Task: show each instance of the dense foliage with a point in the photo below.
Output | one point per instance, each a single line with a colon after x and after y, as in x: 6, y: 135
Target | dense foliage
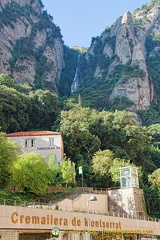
x: 108, y: 130
x: 24, y: 172
x: 107, y: 170
x: 22, y: 109
x: 8, y: 154
x: 14, y: 109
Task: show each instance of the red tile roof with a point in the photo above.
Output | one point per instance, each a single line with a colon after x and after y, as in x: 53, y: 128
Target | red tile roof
x: 34, y: 133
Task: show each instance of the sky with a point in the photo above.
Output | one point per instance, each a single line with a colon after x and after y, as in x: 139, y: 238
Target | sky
x: 79, y: 21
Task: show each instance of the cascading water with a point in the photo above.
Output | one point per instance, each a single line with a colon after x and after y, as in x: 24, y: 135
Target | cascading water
x: 74, y: 85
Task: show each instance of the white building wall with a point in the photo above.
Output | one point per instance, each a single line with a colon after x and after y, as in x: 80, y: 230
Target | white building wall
x: 42, y: 145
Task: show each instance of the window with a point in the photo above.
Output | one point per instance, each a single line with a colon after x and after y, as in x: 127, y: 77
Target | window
x: 51, y: 141
x: 33, y: 142
x: 30, y: 142
x: 27, y: 143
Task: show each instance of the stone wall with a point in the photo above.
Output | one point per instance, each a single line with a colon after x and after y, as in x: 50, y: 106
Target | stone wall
x: 128, y: 201
x: 9, y: 235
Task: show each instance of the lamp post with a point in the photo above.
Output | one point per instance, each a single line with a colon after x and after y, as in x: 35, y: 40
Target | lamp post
x: 92, y: 199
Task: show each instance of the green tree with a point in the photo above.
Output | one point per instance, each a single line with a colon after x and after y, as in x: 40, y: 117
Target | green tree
x: 101, y: 163
x: 44, y: 107
x: 30, y: 173
x: 152, y: 193
x: 155, y: 155
x: 14, y: 110
x: 119, y: 133
x: 107, y: 168
x: 80, y: 143
x: 8, y: 155
x: 22, y: 109
x: 9, y: 82
x: 154, y: 179
x: 154, y: 132
x: 67, y: 169
x: 55, y: 175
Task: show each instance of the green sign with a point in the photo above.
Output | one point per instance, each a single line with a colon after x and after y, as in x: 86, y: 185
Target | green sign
x: 80, y: 170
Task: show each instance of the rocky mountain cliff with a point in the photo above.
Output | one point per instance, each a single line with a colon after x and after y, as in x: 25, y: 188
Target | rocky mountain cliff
x: 31, y: 44
x: 121, y: 67
x: 118, y: 67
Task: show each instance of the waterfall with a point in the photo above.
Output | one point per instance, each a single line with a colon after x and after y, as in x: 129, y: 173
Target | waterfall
x: 74, y: 85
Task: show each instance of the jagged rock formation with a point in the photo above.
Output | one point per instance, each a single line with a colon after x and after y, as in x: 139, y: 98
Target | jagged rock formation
x: 116, y: 64
x: 137, y: 89
x: 31, y: 44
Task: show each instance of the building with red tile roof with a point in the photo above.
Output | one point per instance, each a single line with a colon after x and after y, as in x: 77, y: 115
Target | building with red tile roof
x: 43, y: 142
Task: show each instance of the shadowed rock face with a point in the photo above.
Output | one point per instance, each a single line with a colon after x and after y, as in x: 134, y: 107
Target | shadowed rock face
x: 29, y: 42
